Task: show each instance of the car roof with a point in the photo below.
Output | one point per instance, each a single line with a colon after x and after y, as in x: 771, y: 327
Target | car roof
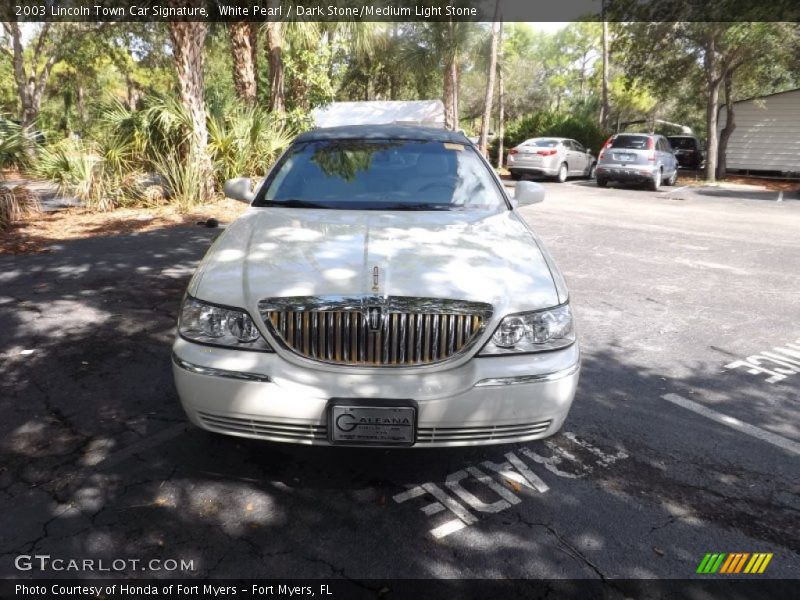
x: 383, y: 132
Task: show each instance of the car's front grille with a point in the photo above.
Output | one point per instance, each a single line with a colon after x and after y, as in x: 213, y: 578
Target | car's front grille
x: 375, y: 331
x: 289, y: 432
x: 441, y: 435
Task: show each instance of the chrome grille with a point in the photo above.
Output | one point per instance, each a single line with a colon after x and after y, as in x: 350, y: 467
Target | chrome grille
x: 289, y: 432
x: 408, y: 332
x: 431, y: 435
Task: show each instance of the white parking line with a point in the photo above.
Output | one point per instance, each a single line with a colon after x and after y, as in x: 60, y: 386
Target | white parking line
x: 756, y: 432
x: 674, y: 190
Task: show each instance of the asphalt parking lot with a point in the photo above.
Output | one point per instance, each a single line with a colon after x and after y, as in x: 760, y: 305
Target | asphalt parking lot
x: 684, y: 438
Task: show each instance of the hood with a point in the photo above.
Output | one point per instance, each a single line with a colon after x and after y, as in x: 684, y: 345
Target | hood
x: 274, y: 252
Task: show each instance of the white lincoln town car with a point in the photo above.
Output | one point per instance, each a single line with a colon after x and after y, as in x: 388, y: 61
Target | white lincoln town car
x: 381, y: 290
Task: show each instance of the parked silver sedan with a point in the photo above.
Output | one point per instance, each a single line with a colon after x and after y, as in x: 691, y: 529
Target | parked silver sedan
x: 550, y: 156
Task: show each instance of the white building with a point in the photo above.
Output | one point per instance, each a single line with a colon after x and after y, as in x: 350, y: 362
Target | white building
x: 767, y: 134
x: 428, y: 113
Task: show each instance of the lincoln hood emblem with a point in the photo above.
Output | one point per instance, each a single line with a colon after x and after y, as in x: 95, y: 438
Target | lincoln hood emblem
x: 376, y: 278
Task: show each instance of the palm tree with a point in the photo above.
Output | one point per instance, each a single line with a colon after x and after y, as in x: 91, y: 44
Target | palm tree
x: 487, y: 101
x: 187, y: 47
x: 244, y: 68
x: 438, y: 45
x: 275, y: 39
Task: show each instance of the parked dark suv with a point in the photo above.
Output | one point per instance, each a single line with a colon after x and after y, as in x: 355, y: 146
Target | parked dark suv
x: 688, y: 150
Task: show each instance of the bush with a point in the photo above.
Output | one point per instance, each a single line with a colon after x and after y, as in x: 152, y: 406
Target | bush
x: 15, y: 203
x: 12, y: 145
x: 94, y: 173
x: 581, y: 127
x: 246, y: 142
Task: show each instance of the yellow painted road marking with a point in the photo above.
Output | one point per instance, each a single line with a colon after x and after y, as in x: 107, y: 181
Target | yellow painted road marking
x: 765, y: 563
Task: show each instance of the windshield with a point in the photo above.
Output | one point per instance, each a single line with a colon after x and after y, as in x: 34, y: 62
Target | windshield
x: 382, y: 175
x: 630, y: 142
x: 682, y: 142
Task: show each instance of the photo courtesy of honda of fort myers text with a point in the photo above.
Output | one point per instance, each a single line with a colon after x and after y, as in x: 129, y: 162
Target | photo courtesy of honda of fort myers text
x: 399, y: 299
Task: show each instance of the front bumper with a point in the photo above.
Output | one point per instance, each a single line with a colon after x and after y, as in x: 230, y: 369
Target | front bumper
x: 489, y: 400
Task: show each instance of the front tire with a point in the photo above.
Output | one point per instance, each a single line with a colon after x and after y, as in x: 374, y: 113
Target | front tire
x: 655, y: 183
x: 563, y: 171
x: 601, y: 182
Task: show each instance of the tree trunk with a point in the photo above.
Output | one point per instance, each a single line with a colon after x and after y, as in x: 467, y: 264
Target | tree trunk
x: 604, y: 107
x: 501, y: 101
x: 490, y: 79
x: 187, y: 47
x: 456, y: 86
x: 277, y: 102
x: 730, y: 125
x: 244, y: 71
x: 448, y: 94
x: 713, y: 81
x: 81, y: 101
x: 32, y: 83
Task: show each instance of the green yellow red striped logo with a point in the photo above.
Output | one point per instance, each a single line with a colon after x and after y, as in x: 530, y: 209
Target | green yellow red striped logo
x: 733, y: 563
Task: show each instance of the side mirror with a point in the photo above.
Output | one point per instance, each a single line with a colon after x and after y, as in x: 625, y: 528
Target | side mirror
x: 239, y: 189
x: 528, y: 192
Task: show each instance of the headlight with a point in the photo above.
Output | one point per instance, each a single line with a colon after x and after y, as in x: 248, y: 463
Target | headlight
x: 219, y: 326
x: 533, y: 332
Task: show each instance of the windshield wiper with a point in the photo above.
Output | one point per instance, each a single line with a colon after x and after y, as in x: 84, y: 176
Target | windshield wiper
x: 294, y: 203
x: 408, y: 206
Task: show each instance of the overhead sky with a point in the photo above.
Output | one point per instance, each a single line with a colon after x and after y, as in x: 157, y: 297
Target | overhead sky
x: 548, y: 27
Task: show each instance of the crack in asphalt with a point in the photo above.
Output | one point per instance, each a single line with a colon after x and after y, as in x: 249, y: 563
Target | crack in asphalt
x: 572, y: 550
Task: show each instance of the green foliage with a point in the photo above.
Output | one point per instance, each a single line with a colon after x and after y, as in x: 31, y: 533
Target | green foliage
x: 309, y: 85
x: 12, y: 145
x: 246, y: 141
x: 183, y: 179
x: 81, y: 170
x: 583, y: 128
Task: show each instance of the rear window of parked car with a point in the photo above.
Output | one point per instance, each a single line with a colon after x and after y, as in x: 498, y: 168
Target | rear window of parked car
x: 541, y: 143
x: 683, y: 143
x: 630, y: 142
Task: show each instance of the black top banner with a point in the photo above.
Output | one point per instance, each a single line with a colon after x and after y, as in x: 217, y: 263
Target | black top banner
x: 401, y: 10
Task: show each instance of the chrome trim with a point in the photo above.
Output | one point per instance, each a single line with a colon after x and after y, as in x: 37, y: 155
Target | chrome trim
x: 212, y: 372
x: 413, y: 331
x: 521, y: 379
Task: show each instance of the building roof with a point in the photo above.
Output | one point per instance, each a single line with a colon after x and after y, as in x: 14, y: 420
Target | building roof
x: 383, y: 132
x: 764, y: 96
x: 428, y: 113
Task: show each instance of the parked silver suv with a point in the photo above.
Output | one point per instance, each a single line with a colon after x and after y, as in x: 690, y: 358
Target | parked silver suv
x: 639, y: 158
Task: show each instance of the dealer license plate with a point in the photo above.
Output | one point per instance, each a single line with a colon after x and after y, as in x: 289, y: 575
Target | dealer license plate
x: 372, y: 425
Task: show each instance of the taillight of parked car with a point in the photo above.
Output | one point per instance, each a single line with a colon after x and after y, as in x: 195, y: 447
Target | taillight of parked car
x: 651, y: 145
x: 550, y: 152
x: 603, y: 148
x: 513, y: 151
